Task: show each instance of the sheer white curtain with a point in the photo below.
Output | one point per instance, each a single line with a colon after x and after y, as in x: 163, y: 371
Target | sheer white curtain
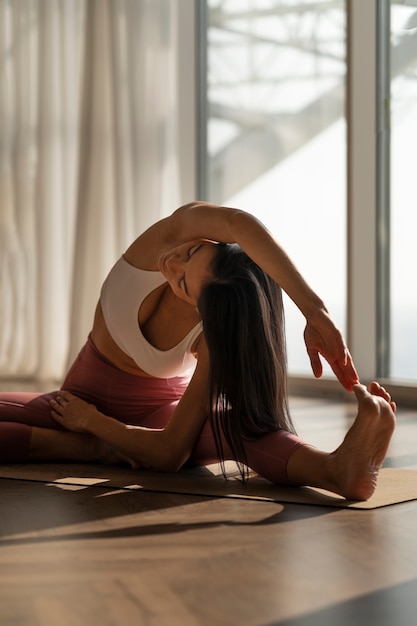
x: 88, y: 159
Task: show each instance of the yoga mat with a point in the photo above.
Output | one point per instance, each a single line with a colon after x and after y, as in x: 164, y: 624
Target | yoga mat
x: 394, y: 485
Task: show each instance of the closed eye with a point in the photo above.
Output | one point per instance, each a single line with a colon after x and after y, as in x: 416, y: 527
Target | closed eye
x: 190, y: 252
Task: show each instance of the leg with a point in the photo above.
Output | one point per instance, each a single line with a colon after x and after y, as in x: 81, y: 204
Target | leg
x: 32, y: 409
x: 132, y: 399
x: 65, y: 447
x: 29, y: 433
x: 14, y: 442
x: 19, y: 412
x: 267, y: 456
x: 352, y: 469
x: 54, y: 445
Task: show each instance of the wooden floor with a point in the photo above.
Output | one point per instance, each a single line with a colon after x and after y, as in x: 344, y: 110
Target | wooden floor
x: 87, y: 556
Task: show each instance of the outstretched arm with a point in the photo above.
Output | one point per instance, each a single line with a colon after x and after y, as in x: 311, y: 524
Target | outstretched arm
x: 322, y: 337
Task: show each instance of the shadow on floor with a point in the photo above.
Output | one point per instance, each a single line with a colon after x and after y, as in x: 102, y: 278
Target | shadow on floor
x: 32, y: 507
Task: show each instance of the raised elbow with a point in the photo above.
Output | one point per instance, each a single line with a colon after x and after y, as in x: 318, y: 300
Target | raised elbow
x: 241, y: 222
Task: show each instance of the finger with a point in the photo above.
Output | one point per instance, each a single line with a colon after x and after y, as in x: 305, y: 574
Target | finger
x: 342, y: 356
x: 351, y: 368
x: 316, y: 364
x: 341, y: 377
x: 65, y: 395
x: 337, y: 350
x: 59, y: 403
x: 346, y: 376
x: 346, y: 372
x: 59, y: 419
x: 56, y: 410
x: 56, y: 416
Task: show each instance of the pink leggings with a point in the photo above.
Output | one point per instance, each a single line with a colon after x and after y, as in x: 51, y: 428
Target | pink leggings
x: 135, y: 400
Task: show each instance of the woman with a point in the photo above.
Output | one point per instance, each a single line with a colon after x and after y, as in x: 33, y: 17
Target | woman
x: 186, y: 363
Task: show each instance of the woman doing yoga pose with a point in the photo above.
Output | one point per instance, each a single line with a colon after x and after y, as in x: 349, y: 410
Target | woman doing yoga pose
x: 186, y: 363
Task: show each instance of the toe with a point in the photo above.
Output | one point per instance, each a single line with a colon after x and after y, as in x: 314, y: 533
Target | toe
x: 360, y: 391
x: 377, y: 390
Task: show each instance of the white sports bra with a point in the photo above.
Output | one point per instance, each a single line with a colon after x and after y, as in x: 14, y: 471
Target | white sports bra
x: 122, y: 294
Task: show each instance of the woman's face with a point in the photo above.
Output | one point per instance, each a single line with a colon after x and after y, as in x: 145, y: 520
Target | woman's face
x: 186, y: 268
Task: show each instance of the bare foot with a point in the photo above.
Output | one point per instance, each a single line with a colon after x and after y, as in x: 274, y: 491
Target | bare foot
x: 355, y: 464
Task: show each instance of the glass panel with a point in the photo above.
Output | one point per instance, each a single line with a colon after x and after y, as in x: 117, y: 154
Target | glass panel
x: 403, y: 190
x: 276, y: 134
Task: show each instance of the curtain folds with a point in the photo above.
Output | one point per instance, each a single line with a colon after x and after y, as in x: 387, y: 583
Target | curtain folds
x: 88, y: 145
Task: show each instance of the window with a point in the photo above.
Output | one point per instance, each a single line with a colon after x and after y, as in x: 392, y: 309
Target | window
x: 276, y: 142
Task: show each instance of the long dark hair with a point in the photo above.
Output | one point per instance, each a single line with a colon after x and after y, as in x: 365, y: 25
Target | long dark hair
x: 243, y: 320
